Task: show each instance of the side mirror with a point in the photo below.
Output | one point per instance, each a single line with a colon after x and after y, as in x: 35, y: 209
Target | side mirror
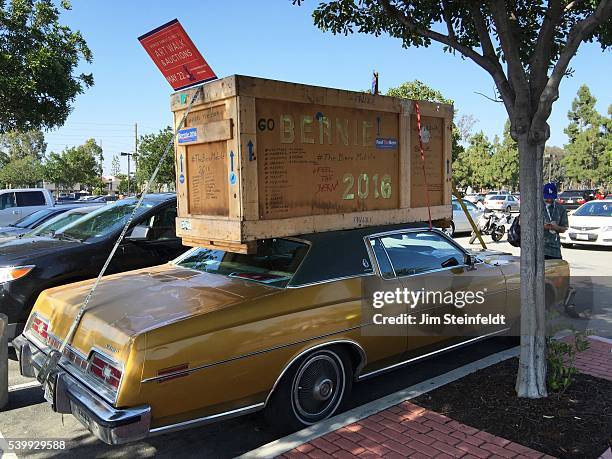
x: 469, y: 260
x: 138, y: 234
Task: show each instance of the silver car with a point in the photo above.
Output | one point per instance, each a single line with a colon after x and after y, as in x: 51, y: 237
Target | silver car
x: 504, y: 202
x: 460, y: 223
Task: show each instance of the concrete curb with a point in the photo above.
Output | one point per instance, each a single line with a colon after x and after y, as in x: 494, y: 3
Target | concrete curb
x: 289, y: 442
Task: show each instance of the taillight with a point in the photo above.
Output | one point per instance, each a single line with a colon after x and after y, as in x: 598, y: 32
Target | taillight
x: 40, y: 327
x: 581, y: 201
x: 560, y: 201
x: 104, y: 370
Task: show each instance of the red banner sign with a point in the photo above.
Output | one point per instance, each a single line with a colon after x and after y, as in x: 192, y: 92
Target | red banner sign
x: 176, y: 56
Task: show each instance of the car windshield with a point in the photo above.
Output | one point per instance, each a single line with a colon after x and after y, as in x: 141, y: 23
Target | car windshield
x: 27, y: 222
x: 595, y: 209
x: 274, y: 263
x: 103, y: 221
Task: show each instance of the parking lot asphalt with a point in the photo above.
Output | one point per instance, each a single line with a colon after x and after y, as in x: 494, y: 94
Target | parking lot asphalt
x: 28, y: 416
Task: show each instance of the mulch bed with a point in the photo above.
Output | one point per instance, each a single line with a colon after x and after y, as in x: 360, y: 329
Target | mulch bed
x: 578, y: 424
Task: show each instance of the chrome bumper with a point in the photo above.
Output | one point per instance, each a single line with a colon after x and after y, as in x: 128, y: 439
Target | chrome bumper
x: 67, y: 395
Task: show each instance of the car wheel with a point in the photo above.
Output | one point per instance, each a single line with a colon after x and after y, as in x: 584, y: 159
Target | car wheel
x: 449, y: 230
x: 508, y: 209
x: 311, y: 391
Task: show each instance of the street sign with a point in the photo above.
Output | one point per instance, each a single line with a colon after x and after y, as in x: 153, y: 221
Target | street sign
x: 176, y: 56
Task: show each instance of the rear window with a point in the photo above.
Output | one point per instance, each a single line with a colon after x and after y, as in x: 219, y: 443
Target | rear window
x: 572, y: 194
x: 274, y: 263
x: 36, y: 218
x: 30, y: 198
x: 498, y: 197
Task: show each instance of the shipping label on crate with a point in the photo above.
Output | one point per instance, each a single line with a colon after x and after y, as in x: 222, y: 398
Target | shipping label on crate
x: 316, y: 159
x: 207, y: 176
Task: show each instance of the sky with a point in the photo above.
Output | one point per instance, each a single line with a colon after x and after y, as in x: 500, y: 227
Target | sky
x: 271, y: 39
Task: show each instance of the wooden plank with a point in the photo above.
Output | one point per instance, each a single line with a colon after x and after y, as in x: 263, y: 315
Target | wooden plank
x: 216, y: 228
x: 213, y: 91
x: 214, y: 131
x: 261, y: 88
x: 234, y: 168
x: 317, y: 159
x: 246, y: 248
x: 249, y: 152
x: 262, y: 229
x: 404, y: 154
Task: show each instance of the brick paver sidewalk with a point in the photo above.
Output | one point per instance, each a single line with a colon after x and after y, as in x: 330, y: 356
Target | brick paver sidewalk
x: 408, y: 430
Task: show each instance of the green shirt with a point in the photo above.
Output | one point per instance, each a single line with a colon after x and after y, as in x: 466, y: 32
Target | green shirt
x: 554, y: 213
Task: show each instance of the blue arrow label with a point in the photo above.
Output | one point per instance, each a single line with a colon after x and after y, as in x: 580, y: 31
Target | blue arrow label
x: 251, y: 156
x: 231, y: 161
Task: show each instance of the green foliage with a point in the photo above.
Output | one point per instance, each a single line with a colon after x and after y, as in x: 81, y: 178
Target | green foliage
x: 472, y: 166
x: 22, y: 172
x: 75, y: 165
x: 115, y: 166
x: 38, y: 60
x: 21, y: 144
x: 553, y: 165
x: 587, y: 162
x: 150, y: 149
x: 503, y: 170
x: 560, y: 356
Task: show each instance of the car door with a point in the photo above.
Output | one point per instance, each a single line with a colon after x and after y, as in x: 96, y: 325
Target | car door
x: 9, y: 213
x: 459, y: 218
x: 161, y: 245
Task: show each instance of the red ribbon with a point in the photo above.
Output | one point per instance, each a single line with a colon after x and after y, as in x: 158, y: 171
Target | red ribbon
x: 418, y: 116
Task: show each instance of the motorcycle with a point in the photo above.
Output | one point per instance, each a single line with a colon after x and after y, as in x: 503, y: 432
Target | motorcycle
x: 492, y: 224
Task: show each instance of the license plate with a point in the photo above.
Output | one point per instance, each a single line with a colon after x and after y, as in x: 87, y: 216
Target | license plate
x: 582, y: 237
x: 570, y: 201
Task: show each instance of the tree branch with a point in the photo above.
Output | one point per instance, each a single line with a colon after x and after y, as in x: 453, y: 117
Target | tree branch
x: 581, y: 30
x: 507, y: 39
x: 493, y: 68
x: 541, y: 56
x: 449, y: 20
x: 504, y: 88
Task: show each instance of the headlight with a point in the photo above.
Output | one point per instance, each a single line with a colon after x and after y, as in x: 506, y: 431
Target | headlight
x: 11, y: 273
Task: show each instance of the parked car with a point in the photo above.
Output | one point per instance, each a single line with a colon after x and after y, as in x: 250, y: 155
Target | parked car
x: 34, y: 220
x: 30, y: 265
x: 18, y: 203
x: 284, y: 329
x: 474, y: 198
x: 460, y: 223
x: 590, y: 224
x: 505, y: 202
x: 572, y: 199
x: 57, y: 223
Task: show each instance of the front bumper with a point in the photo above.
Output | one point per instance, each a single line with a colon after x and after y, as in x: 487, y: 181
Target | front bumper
x: 586, y: 238
x: 67, y: 395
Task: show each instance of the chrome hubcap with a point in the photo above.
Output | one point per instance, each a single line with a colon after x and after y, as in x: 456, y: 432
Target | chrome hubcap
x: 317, y: 388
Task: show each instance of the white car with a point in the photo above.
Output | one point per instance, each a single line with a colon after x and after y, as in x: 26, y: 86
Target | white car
x: 505, y: 202
x: 460, y: 223
x: 590, y: 224
x: 18, y: 203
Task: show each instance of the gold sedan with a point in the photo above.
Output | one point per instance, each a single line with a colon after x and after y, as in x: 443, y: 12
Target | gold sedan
x: 215, y: 334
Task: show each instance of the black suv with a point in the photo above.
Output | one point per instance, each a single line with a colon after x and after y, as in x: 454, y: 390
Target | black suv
x: 572, y: 199
x: 77, y: 252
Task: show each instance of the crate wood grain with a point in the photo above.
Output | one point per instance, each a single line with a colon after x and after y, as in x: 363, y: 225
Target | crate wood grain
x: 261, y: 158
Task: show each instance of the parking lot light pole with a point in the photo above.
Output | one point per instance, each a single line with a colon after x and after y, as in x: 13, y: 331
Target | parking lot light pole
x: 129, y: 158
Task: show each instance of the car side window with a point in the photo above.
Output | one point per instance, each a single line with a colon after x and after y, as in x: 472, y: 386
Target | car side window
x: 30, y: 198
x: 420, y: 251
x: 469, y: 206
x: 162, y: 224
x: 386, y: 270
x: 510, y: 198
x: 7, y: 200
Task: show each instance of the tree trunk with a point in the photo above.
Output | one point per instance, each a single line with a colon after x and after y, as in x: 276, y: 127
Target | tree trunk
x: 531, y: 378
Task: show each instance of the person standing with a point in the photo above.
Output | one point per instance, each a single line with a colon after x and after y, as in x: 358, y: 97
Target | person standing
x: 555, y: 222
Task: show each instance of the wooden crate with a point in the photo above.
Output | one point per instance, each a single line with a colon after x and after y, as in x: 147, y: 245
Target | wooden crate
x: 261, y: 158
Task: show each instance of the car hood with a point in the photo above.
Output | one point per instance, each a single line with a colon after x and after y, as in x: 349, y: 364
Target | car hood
x: 129, y: 304
x: 589, y: 222
x: 15, y: 249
